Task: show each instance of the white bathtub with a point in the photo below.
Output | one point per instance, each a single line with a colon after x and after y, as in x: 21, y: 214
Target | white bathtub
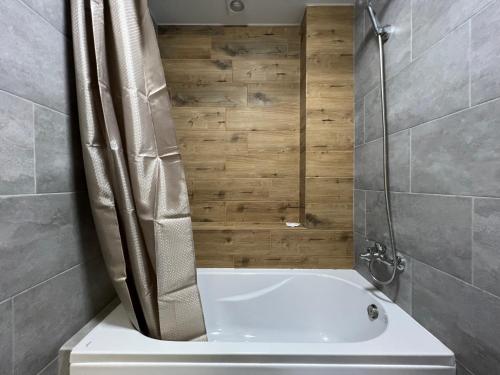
x: 274, y: 322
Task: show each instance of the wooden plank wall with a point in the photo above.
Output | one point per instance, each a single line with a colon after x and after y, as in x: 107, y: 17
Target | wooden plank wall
x: 236, y: 102
x: 327, y: 117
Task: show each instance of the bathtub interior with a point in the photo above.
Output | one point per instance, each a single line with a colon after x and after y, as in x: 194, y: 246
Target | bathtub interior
x: 313, y: 302
x: 308, y: 307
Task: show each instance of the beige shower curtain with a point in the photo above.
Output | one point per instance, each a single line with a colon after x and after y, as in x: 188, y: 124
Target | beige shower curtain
x: 135, y: 176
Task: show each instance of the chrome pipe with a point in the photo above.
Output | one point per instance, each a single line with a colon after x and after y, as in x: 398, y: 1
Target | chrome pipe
x: 378, y: 252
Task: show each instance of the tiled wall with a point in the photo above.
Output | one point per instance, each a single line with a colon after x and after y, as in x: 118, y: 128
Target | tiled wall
x: 235, y: 97
x: 443, y: 63
x: 52, y: 280
x: 327, y: 116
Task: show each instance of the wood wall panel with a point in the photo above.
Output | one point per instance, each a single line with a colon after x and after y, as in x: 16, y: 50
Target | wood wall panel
x: 184, y: 46
x: 260, y: 71
x: 189, y: 118
x: 275, y: 94
x: 327, y: 118
x: 221, y: 94
x: 261, y: 119
x: 197, y: 71
x: 236, y: 104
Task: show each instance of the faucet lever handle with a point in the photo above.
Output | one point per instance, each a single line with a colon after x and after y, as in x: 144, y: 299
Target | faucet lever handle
x: 366, y: 257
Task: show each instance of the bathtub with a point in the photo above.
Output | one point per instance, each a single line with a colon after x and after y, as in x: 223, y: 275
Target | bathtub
x: 301, y: 322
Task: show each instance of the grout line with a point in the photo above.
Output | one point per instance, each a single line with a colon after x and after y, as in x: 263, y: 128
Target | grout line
x: 432, y: 194
x: 364, y: 119
x: 39, y: 194
x: 33, y: 102
x: 451, y: 31
x: 424, y: 52
x: 366, y: 221
x: 411, y: 31
x: 410, y: 159
x: 380, y: 138
x: 34, y: 148
x: 469, y: 56
x: 457, y: 279
x: 466, y: 368
x: 44, y: 19
x: 48, y: 365
x: 439, y: 118
x: 13, y: 332
x: 52, y: 277
x: 472, y: 241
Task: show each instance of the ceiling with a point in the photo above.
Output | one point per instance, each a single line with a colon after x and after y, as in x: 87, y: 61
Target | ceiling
x: 214, y: 12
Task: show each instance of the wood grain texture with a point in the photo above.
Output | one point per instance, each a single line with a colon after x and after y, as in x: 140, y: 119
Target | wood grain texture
x: 329, y: 164
x: 208, y: 95
x: 262, y: 212
x: 188, y: 118
x: 327, y: 118
x: 262, y: 119
x: 198, y: 71
x: 184, y: 46
x: 271, y: 245
x: 274, y: 95
x: 236, y: 104
x: 260, y: 71
x: 329, y: 189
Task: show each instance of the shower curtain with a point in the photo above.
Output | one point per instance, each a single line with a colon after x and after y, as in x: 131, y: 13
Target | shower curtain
x: 135, y: 176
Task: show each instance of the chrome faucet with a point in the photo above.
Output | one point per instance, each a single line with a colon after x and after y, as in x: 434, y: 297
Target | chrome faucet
x: 378, y: 253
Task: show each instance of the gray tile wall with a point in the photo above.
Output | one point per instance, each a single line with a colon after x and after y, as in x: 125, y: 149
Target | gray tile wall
x: 444, y: 118
x: 52, y: 278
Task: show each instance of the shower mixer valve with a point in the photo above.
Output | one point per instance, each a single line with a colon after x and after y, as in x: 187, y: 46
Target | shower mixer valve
x: 378, y: 253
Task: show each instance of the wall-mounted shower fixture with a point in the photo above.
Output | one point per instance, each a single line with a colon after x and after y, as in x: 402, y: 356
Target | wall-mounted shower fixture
x: 378, y: 252
x: 235, y: 6
x: 378, y: 29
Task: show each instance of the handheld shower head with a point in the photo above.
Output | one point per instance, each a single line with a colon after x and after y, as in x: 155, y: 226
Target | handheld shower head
x: 379, y: 30
x: 373, y: 18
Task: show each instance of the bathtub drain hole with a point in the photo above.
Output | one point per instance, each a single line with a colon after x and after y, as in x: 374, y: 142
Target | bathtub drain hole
x: 372, y: 311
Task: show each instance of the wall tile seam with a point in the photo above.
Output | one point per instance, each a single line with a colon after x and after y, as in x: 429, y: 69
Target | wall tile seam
x: 29, y: 195
x: 13, y: 335
x: 389, y: 77
x: 79, y: 191
x: 66, y: 36
x: 410, y: 158
x: 381, y: 191
x: 432, y: 194
x: 90, y: 260
x: 416, y: 58
x: 34, y: 148
x: 473, y: 210
x: 465, y: 283
x: 364, y: 119
x: 48, y: 365
x: 365, y: 223
x: 411, y: 31
x: 480, y: 10
x: 438, y: 118
x: 465, y: 367
x: 380, y: 138
x: 70, y: 115
x: 422, y: 55
x: 469, y: 56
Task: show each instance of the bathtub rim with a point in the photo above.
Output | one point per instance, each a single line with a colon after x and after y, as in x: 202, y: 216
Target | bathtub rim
x: 131, y: 346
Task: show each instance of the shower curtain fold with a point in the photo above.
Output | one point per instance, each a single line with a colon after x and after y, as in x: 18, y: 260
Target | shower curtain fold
x: 135, y: 177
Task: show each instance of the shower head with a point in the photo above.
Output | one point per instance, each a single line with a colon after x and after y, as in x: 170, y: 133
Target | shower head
x: 379, y: 30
